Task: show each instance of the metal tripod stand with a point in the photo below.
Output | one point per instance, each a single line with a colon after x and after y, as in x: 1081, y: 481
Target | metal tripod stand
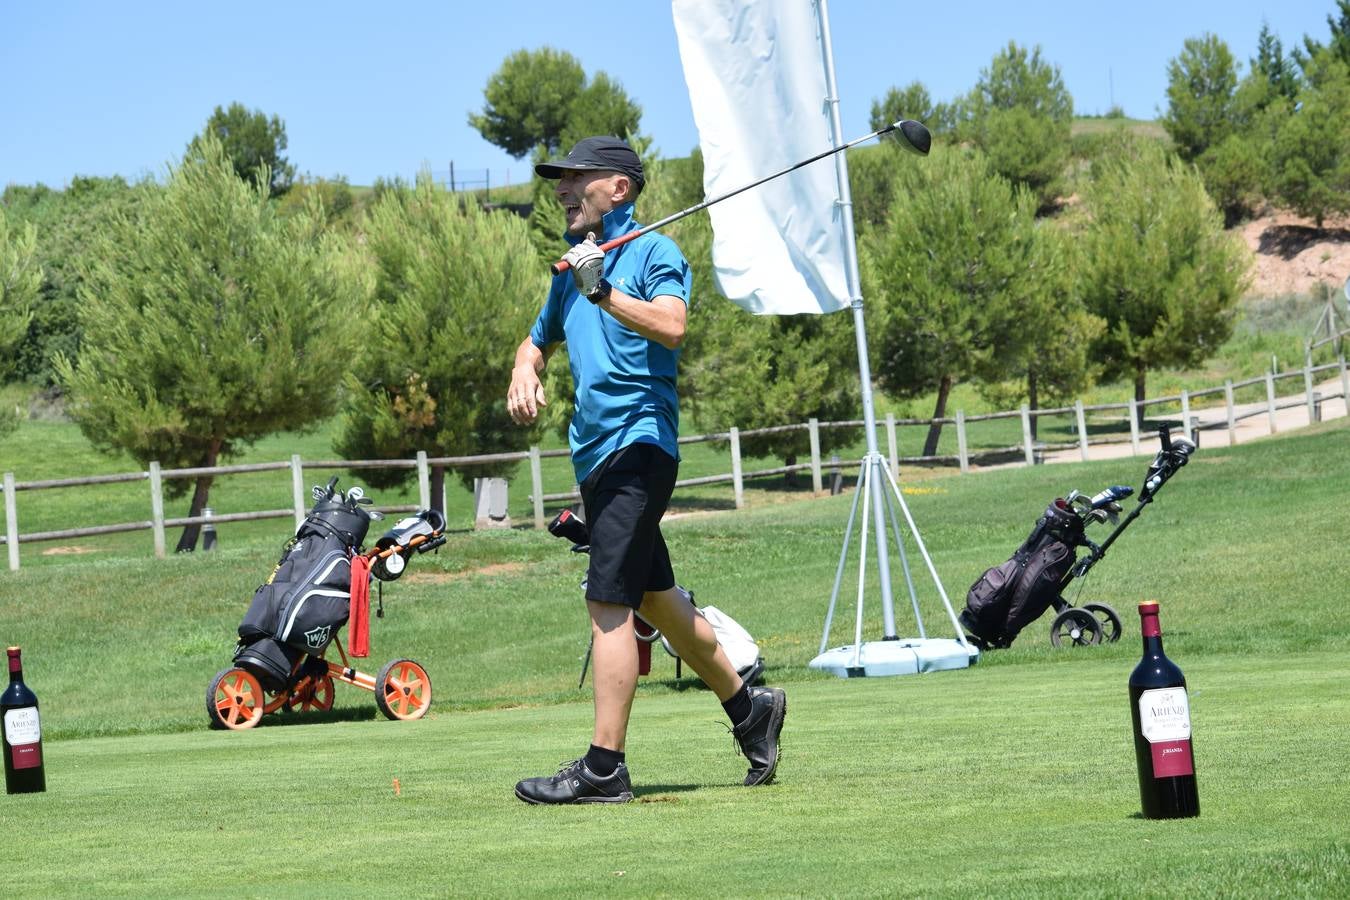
x: 877, y: 488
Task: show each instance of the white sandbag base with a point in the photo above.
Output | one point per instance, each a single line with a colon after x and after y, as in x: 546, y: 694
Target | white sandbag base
x: 906, y: 656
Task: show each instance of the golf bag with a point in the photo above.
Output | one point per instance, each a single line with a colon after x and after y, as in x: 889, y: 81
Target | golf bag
x: 1013, y: 594
x: 741, y: 649
x: 735, y: 641
x: 307, y: 597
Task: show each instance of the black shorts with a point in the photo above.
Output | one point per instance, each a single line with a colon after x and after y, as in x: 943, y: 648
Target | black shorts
x: 624, y: 500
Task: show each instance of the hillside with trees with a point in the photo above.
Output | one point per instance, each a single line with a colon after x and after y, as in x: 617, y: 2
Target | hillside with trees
x: 1072, y: 250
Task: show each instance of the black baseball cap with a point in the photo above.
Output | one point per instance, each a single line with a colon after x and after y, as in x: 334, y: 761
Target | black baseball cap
x: 597, y: 153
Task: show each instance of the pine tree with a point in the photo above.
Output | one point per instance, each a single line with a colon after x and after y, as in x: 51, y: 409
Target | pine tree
x: 952, y: 274
x: 1156, y: 263
x: 20, y: 279
x: 1201, y: 88
x: 456, y: 291
x: 1020, y: 114
x: 1310, y: 159
x: 208, y: 322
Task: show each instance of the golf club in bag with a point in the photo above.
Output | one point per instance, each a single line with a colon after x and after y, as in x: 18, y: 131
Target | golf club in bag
x: 735, y: 641
x: 1008, y: 597
x: 321, y: 583
x: 912, y: 136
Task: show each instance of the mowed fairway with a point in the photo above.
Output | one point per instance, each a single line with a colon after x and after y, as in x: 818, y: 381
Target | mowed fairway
x: 1015, y: 777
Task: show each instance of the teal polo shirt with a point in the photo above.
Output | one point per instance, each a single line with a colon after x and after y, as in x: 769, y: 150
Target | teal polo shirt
x: 625, y: 383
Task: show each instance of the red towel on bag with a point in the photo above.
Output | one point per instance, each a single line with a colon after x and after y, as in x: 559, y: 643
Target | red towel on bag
x: 358, y: 613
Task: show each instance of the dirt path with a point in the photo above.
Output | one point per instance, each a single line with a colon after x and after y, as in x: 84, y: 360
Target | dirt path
x: 1252, y: 422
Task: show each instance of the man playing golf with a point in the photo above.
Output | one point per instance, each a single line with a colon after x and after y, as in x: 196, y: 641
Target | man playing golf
x: 622, y: 315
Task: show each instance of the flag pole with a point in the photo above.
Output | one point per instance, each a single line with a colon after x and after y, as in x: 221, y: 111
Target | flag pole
x: 895, y: 657
x: 860, y: 329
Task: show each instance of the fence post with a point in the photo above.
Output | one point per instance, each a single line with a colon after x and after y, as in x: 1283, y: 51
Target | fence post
x: 1345, y: 386
x: 1270, y: 400
x: 893, y: 445
x: 1308, y: 386
x: 1186, y: 415
x: 736, y: 485
x: 157, y: 508
x: 1030, y: 451
x: 1134, y: 427
x: 813, y: 429
x: 1232, y: 420
x: 1082, y: 429
x: 11, y: 523
x: 537, y: 486
x: 298, y: 490
x: 423, y: 481
x: 961, y: 441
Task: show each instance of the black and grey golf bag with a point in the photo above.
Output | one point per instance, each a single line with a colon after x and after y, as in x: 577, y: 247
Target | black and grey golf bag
x: 307, y: 598
x: 1013, y: 594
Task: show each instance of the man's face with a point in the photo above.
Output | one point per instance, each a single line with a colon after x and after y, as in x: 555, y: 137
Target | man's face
x: 587, y: 195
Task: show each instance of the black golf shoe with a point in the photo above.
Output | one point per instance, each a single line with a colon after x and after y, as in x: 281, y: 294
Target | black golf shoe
x: 574, y: 783
x: 757, y: 735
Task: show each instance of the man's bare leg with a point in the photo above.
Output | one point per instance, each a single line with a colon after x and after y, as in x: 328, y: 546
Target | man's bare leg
x: 693, y: 639
x: 759, y: 719
x: 615, y: 668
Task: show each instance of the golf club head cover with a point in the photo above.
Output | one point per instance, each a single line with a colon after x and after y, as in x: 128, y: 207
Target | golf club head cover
x: 567, y: 525
x: 358, y: 614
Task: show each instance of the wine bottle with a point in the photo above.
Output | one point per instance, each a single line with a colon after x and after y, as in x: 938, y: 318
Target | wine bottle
x: 1161, y: 713
x: 22, y: 743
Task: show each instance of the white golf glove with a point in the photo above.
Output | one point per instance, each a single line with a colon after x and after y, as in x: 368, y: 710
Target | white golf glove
x: 587, y: 261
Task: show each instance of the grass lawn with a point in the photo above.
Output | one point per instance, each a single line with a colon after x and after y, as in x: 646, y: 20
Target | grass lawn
x: 1015, y: 777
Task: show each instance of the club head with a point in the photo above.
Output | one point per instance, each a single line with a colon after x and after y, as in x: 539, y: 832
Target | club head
x: 1181, y: 451
x: 1108, y: 496
x: 914, y: 137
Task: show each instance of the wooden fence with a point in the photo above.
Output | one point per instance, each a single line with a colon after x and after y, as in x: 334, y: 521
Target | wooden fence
x: 1028, y: 451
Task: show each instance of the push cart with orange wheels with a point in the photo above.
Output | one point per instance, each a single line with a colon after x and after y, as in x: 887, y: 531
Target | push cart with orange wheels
x: 237, y: 700
x: 320, y: 585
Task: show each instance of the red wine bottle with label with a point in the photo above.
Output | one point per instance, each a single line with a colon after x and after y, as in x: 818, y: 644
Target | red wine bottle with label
x: 1162, y: 728
x: 22, y: 733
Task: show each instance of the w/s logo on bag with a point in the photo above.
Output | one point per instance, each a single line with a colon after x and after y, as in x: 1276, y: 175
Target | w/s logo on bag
x: 317, y: 638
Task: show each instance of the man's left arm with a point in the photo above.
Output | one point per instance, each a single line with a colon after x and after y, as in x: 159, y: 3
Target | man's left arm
x: 665, y: 278
x: 661, y: 320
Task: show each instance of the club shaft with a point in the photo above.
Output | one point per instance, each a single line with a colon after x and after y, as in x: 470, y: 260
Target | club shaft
x: 1105, y: 545
x: 562, y: 265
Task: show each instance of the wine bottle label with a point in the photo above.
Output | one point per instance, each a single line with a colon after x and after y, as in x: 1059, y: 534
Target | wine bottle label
x: 1165, y: 720
x: 23, y: 733
x: 22, y: 726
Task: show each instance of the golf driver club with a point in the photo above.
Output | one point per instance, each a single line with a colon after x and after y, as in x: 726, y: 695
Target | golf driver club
x: 914, y: 137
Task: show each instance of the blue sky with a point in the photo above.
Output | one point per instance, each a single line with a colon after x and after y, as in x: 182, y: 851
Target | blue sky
x: 370, y: 90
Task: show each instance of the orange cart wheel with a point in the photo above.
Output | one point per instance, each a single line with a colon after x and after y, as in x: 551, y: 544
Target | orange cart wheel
x: 311, y: 695
x: 235, y: 700
x: 403, y: 690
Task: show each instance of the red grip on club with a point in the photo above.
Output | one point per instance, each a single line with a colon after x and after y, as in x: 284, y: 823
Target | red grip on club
x: 563, y: 265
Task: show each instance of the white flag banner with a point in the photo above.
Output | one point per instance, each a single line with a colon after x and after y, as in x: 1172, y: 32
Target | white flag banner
x: 756, y: 80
